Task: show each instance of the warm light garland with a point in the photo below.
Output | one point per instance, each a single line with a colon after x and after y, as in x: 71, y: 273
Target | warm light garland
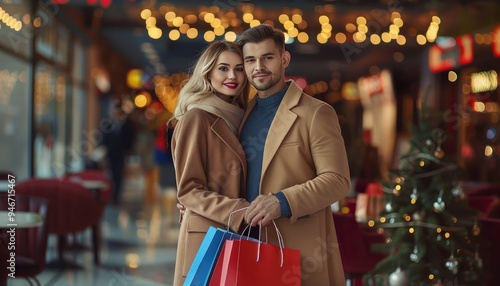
x: 292, y: 21
x: 10, y: 21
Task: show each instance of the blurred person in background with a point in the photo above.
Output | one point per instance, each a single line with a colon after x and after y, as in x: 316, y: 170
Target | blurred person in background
x: 119, y: 141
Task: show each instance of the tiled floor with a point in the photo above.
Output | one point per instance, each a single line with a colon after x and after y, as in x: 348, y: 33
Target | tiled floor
x: 138, y: 245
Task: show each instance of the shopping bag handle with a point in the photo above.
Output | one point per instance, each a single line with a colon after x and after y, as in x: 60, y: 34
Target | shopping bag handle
x: 281, y: 242
x: 229, y: 219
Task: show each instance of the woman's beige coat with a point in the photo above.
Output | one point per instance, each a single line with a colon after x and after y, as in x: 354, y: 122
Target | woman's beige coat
x: 210, y: 168
x: 305, y: 157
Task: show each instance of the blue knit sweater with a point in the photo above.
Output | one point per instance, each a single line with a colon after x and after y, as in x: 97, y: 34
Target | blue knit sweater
x: 253, y: 137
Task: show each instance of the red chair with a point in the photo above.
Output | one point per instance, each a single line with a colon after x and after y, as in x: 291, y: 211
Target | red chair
x: 31, y: 243
x: 73, y: 209
x: 355, y: 246
x: 103, y: 195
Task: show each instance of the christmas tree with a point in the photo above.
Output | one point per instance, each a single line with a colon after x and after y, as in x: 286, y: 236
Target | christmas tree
x: 432, y: 233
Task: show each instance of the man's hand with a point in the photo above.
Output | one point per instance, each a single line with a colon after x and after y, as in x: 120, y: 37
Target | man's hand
x: 263, y: 210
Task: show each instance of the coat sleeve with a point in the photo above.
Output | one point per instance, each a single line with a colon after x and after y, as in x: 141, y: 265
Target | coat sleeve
x: 332, y: 180
x: 191, y: 155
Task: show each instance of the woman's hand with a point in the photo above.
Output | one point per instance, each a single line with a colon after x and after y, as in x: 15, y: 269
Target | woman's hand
x: 181, y: 208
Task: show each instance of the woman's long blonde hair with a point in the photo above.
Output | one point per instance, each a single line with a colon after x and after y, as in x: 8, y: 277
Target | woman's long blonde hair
x: 198, y: 85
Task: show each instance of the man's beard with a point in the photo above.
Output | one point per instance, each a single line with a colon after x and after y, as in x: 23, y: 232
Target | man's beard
x: 260, y: 86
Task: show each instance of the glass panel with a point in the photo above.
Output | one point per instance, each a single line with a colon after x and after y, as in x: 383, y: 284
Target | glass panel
x: 44, y: 121
x: 61, y: 120
x: 61, y: 55
x: 17, y: 34
x: 79, y: 67
x: 50, y: 122
x: 14, y: 115
x: 79, y: 147
x: 481, y: 149
x: 45, y: 38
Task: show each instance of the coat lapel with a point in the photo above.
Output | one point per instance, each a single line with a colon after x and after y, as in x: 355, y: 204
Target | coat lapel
x: 250, y: 106
x: 220, y: 128
x: 281, y: 124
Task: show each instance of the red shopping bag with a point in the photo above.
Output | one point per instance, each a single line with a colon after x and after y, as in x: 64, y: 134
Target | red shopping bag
x: 216, y: 275
x: 250, y: 263
x: 216, y: 278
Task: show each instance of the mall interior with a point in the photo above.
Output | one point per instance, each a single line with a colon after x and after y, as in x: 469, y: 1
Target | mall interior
x: 88, y: 183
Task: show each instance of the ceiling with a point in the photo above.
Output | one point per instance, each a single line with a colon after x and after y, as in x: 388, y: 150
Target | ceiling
x: 122, y: 26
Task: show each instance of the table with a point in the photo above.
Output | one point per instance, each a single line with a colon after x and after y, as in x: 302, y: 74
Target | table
x: 96, y: 186
x: 22, y: 220
x: 89, y: 184
x: 93, y: 184
x: 4, y: 185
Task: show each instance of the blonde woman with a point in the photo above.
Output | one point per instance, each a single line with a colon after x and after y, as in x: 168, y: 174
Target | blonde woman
x: 209, y: 161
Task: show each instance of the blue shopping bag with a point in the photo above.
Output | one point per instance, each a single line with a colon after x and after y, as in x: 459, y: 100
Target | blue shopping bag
x: 206, y: 257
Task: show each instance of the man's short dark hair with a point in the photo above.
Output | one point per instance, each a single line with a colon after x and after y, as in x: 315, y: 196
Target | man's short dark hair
x: 261, y: 33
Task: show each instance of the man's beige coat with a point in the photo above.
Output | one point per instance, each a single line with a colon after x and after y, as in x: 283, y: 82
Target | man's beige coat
x: 305, y: 158
x: 210, y: 168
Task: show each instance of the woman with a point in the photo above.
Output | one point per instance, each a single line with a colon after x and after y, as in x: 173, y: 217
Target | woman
x: 209, y: 161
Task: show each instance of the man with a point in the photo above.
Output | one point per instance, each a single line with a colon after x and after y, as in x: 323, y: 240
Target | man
x: 119, y: 141
x: 296, y: 158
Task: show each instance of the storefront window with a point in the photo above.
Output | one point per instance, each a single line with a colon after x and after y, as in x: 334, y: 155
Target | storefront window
x: 50, y: 122
x: 79, y: 139
x: 45, y: 125
x: 45, y: 39
x: 62, y: 45
x: 79, y: 66
x: 16, y: 34
x: 14, y: 115
x: 56, y: 101
x: 80, y: 149
x: 481, y: 151
x: 15, y: 76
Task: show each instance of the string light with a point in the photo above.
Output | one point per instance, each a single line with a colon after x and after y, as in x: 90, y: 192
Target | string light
x: 293, y: 21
